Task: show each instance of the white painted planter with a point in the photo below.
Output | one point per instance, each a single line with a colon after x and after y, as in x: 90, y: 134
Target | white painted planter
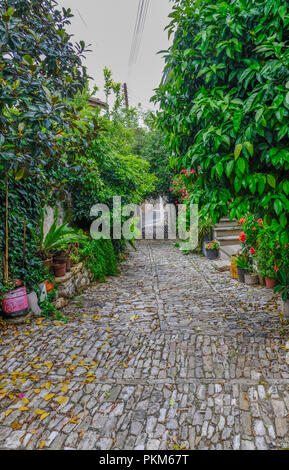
x: 33, y: 299
x: 43, y: 292
x: 33, y: 303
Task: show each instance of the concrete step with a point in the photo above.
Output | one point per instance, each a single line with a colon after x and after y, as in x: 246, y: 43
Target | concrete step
x: 225, y: 222
x: 226, y: 231
x: 227, y: 251
x: 229, y: 240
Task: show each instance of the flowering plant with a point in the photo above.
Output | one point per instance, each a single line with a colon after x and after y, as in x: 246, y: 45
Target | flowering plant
x: 243, y: 263
x: 213, y: 245
x: 269, y: 253
x: 283, y: 284
x: 252, y: 226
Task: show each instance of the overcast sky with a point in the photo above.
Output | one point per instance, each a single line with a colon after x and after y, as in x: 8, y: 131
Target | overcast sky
x: 108, y: 26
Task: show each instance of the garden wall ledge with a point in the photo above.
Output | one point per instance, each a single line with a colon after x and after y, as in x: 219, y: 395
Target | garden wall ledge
x: 71, y: 284
x: 73, y: 271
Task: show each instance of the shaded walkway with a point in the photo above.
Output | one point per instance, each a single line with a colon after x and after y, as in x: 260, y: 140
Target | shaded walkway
x: 171, y: 354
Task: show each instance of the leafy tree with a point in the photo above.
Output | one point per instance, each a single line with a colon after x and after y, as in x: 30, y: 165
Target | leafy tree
x: 225, y: 104
x: 149, y: 143
x: 40, y: 72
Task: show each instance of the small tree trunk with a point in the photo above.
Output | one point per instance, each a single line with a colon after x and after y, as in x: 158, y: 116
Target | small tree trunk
x: 6, y: 273
x: 24, y: 242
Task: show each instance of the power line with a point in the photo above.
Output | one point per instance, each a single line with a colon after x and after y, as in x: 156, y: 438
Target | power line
x: 83, y: 21
x: 142, y: 26
x: 140, y: 6
x: 138, y: 30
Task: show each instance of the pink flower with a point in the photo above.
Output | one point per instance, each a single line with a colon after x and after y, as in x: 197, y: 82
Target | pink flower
x: 254, y: 228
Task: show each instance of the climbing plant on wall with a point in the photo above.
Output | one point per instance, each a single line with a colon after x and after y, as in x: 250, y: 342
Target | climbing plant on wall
x: 40, y: 72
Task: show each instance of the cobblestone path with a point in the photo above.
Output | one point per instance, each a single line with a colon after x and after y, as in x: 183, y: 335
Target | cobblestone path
x: 171, y: 354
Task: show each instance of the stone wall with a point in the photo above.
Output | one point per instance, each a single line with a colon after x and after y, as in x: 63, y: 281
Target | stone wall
x: 72, y: 284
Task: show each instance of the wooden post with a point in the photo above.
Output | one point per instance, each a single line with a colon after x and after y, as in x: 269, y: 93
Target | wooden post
x: 125, y: 95
x: 24, y: 242
x: 6, y: 274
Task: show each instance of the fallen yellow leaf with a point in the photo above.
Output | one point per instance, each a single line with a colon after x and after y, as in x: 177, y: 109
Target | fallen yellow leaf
x: 50, y: 395
x: 64, y: 388
x: 61, y: 400
x: 44, y: 415
x: 42, y: 444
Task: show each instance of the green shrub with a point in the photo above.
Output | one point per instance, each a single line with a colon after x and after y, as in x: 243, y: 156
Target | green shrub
x: 99, y: 257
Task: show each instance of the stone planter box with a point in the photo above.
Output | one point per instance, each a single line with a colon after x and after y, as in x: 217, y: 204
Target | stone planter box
x: 251, y: 279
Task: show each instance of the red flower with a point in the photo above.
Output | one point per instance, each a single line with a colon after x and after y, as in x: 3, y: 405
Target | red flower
x: 241, y: 221
x: 242, y: 237
x: 254, y: 228
x: 277, y: 269
x: 252, y: 250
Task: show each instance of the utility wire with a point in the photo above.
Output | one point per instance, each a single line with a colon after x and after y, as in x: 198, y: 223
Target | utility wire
x: 80, y: 16
x: 138, y: 31
x: 140, y: 4
x: 142, y: 26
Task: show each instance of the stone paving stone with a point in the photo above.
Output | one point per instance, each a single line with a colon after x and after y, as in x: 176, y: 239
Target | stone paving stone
x: 169, y: 354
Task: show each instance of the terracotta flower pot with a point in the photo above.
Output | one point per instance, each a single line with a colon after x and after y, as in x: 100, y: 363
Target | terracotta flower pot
x: 68, y: 264
x: 59, y: 269
x: 59, y: 259
x: 49, y: 286
x: 15, y: 303
x: 270, y: 283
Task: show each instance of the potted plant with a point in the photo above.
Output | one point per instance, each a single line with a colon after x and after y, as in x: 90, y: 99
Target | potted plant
x: 66, y: 255
x: 58, y: 238
x: 242, y: 267
x: 250, y: 277
x: 212, y: 249
x: 269, y: 274
x: 205, y: 232
x: 74, y: 258
x: 14, y: 300
x: 59, y: 269
x: 283, y: 287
